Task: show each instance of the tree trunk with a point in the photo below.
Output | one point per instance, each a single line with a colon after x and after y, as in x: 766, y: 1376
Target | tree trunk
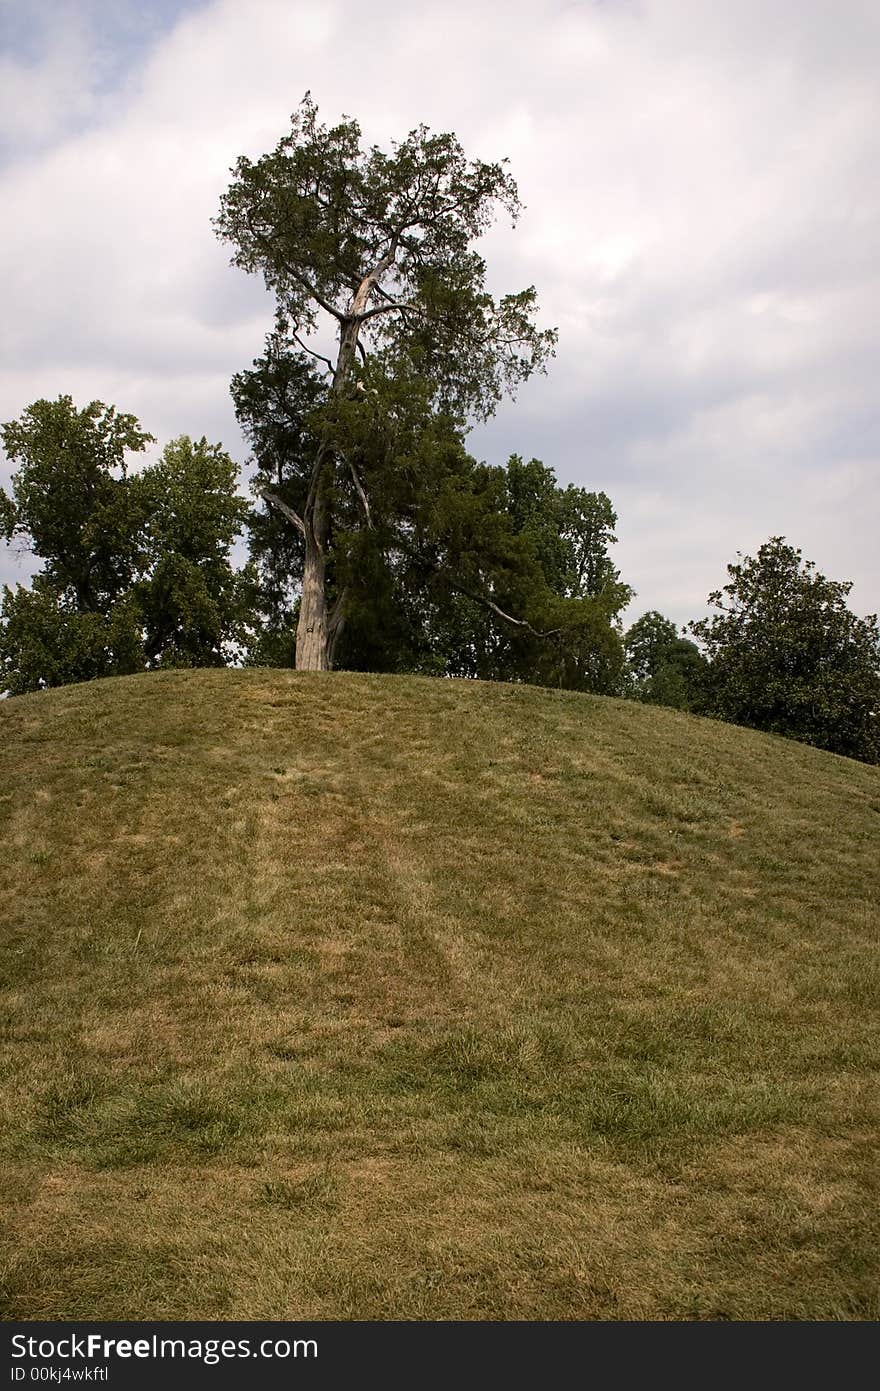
x: 318, y: 630
x: 312, y: 645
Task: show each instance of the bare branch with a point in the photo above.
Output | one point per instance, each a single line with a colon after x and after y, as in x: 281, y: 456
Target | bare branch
x: 319, y: 299
x: 305, y: 347
x: 275, y: 501
x: 337, y: 614
x: 312, y: 499
x: 336, y: 623
x: 361, y: 492
x: 384, y: 293
x: 508, y: 618
x: 383, y: 309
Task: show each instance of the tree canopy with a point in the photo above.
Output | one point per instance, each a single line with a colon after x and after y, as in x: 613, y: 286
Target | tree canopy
x: 136, y: 567
x: 788, y: 656
x: 663, y: 666
x: 73, y: 501
x: 462, y: 565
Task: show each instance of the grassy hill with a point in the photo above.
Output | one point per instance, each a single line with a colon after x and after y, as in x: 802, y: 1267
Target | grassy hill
x: 369, y: 997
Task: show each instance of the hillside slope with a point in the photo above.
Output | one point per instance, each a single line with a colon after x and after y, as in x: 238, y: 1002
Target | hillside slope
x: 368, y: 997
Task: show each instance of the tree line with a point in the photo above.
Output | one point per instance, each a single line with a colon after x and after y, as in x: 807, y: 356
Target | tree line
x: 138, y: 574
x: 376, y: 541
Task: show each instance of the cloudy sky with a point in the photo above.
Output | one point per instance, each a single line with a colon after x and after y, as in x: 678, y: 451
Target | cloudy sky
x: 702, y: 223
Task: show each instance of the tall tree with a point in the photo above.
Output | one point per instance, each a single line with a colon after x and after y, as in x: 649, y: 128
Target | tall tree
x: 378, y: 245
x: 788, y: 656
x: 274, y: 402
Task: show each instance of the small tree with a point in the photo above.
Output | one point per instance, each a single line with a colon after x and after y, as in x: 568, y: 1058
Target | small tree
x: 788, y: 656
x: 545, y: 550
x: 378, y: 245
x: 274, y: 403
x: 663, y: 668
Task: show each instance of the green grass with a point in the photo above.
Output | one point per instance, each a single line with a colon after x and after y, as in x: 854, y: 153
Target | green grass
x: 370, y: 997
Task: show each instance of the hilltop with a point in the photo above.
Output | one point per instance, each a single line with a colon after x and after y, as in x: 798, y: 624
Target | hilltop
x: 370, y: 997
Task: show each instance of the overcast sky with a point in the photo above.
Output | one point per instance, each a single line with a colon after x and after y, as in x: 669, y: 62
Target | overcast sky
x: 702, y: 223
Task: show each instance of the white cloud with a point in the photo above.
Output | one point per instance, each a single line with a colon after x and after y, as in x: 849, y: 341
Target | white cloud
x: 702, y: 217
x: 39, y: 99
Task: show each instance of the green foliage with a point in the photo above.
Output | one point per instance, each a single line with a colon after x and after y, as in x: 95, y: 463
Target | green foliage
x: 445, y: 535
x: 194, y: 604
x: 274, y: 402
x: 136, y: 569
x: 73, y: 499
x: 541, y: 553
x: 788, y: 656
x: 363, y: 464
x: 46, y: 642
x: 320, y: 213
x: 663, y: 668
x: 569, y: 528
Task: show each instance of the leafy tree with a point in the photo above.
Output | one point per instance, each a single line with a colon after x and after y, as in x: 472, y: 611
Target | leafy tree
x: 193, y: 603
x: 542, y: 552
x: 452, y: 545
x: 663, y: 667
x: 136, y: 569
x: 788, y: 656
x: 75, y: 505
x: 47, y: 641
x: 378, y: 245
